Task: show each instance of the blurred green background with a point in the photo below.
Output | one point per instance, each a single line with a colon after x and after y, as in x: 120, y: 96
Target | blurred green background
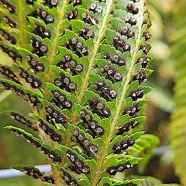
x: 15, y: 151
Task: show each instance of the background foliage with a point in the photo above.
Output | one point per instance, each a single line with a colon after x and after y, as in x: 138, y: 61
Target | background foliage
x: 178, y: 129
x: 161, y: 104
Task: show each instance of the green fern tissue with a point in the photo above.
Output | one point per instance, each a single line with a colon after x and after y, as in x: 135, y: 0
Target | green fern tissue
x: 81, y: 65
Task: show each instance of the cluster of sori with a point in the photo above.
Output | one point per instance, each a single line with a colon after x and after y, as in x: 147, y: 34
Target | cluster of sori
x: 72, y: 14
x: 86, y: 33
x: 144, y: 48
x: 96, y: 106
x: 41, y: 31
x: 116, y: 59
x: 35, y: 64
x: 42, y: 14
x: 68, y: 178
x: 120, y: 44
x: 51, y: 3
x: 95, y: 8
x: 75, y: 2
x: 110, y: 73
x: 64, y: 82
x: 127, y: 184
x: 104, y: 90
x: 119, y: 147
x: 87, y: 121
x: 39, y: 48
x: 46, y: 150
x: 135, y: 1
x: 143, y: 61
x: 49, y: 131
x: 132, y: 110
x: 61, y: 100
x: 75, y: 45
x: 28, y: 138
x: 69, y: 62
x: 140, y: 76
x: 78, y: 165
x: 7, y: 36
x: 132, y: 21
x: 35, y: 173
x: 23, y: 120
x: 136, y: 94
x: 146, y: 35
x: 27, y: 96
x: 53, y: 114
x: 90, y: 19
x: 126, y: 31
x: 119, y: 168
x: 86, y: 144
x: 132, y: 9
x: 34, y: 82
x: 7, y: 5
x: 48, y: 179
x: 31, y: 2
x: 127, y: 126
x: 147, y: 22
x: 32, y: 171
x: 51, y: 154
x: 9, y: 21
x: 8, y: 73
x: 11, y: 53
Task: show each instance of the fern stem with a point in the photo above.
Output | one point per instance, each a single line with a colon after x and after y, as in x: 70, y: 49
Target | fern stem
x: 95, y: 179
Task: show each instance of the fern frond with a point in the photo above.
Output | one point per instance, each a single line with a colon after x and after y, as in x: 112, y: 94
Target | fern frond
x: 81, y: 65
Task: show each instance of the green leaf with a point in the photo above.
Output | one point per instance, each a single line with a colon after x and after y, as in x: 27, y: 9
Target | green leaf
x: 70, y: 47
x: 150, y: 180
x: 105, y: 180
x: 148, y: 142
